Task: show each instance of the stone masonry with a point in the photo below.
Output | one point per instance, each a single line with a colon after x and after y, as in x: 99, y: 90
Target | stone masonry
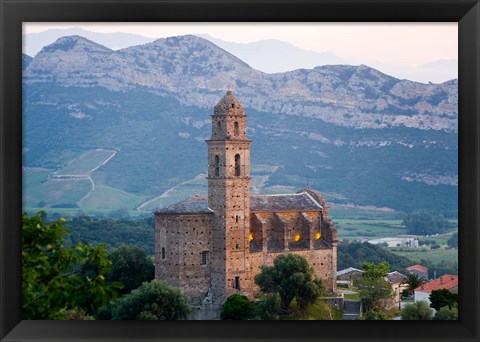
x: 211, y: 247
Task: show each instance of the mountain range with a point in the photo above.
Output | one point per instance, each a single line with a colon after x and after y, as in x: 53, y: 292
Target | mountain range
x: 355, y: 133
x: 271, y: 56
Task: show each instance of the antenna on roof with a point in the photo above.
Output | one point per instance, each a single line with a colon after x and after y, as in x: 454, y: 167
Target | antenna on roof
x: 307, y: 179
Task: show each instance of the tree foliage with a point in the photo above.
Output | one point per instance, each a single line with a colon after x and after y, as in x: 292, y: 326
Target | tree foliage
x: 413, y: 281
x: 418, y: 311
x: 113, y: 232
x: 372, y: 315
x: 54, y: 277
x: 291, y: 277
x: 131, y: 266
x: 443, y: 297
x: 355, y: 253
x: 453, y: 241
x: 237, y: 307
x: 373, y: 271
x: 447, y: 314
x: 153, y: 300
x: 269, y: 309
x: 374, y: 290
x: 425, y: 223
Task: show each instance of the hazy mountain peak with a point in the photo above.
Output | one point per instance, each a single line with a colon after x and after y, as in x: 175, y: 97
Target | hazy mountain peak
x: 75, y: 43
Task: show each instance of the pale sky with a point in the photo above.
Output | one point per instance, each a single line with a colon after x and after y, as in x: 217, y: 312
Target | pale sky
x: 402, y: 44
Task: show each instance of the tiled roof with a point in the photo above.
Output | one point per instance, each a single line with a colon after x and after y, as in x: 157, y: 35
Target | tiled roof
x: 419, y: 268
x: 395, y: 277
x: 347, y: 270
x: 302, y: 201
x: 289, y: 202
x: 193, y: 205
x: 447, y: 281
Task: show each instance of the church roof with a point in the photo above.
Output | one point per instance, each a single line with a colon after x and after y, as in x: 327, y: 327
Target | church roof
x: 302, y: 201
x: 286, y: 202
x: 192, y: 205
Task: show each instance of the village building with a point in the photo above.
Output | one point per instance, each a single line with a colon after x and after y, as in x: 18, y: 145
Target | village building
x: 446, y: 281
x: 396, y: 242
x: 419, y: 270
x: 397, y: 281
x: 212, y: 246
x: 348, y: 275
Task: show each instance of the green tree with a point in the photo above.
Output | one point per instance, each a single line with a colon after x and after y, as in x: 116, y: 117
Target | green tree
x: 443, y: 297
x: 372, y: 271
x: 291, y: 277
x: 153, y: 300
x: 131, y: 266
x: 453, y: 241
x: 424, y: 223
x: 446, y: 314
x: 269, y: 309
x: 418, y: 311
x: 54, y: 280
x: 413, y: 281
x: 373, y: 288
x: 238, y: 307
x: 372, y: 315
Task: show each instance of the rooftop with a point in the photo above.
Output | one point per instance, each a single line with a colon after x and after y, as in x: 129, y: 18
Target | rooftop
x: 287, y: 202
x: 302, y: 201
x: 229, y: 105
x: 447, y: 281
x: 348, y: 270
x: 192, y: 205
x: 417, y: 268
x: 395, y: 277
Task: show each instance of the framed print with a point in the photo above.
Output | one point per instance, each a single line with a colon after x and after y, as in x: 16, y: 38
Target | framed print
x: 249, y: 158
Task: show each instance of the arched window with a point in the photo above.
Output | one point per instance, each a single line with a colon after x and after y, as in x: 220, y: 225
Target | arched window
x: 217, y: 165
x: 237, y: 165
x: 235, y: 128
x: 163, y: 252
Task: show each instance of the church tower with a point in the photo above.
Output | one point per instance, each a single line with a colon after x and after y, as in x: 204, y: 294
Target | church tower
x: 229, y: 197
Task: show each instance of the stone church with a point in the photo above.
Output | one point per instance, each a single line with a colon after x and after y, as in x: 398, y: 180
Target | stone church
x: 212, y: 246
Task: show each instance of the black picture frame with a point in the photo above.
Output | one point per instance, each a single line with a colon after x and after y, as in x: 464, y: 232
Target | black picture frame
x: 14, y: 12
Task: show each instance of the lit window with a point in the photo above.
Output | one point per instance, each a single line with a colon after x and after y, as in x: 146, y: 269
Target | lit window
x: 296, y: 237
x: 204, y: 258
x: 317, y: 235
x: 250, y: 237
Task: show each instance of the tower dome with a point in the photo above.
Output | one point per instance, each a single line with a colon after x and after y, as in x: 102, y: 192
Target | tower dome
x: 229, y: 105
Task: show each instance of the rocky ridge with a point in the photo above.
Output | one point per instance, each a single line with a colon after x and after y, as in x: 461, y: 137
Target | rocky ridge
x: 196, y: 71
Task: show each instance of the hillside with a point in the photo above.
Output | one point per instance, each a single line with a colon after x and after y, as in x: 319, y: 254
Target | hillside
x: 356, y: 134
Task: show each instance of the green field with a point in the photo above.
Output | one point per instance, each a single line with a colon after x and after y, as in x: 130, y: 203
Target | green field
x: 434, y: 255
x: 354, y: 229
x: 38, y: 191
x: 84, y: 163
x: 104, y: 197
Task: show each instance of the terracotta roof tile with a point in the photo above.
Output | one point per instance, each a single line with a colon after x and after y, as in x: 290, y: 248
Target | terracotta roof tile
x: 417, y: 268
x: 447, y: 281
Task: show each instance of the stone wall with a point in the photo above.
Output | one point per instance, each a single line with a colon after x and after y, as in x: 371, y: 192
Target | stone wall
x: 184, y: 238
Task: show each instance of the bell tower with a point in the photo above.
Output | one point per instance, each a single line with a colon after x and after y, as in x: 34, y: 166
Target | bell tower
x: 229, y: 197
